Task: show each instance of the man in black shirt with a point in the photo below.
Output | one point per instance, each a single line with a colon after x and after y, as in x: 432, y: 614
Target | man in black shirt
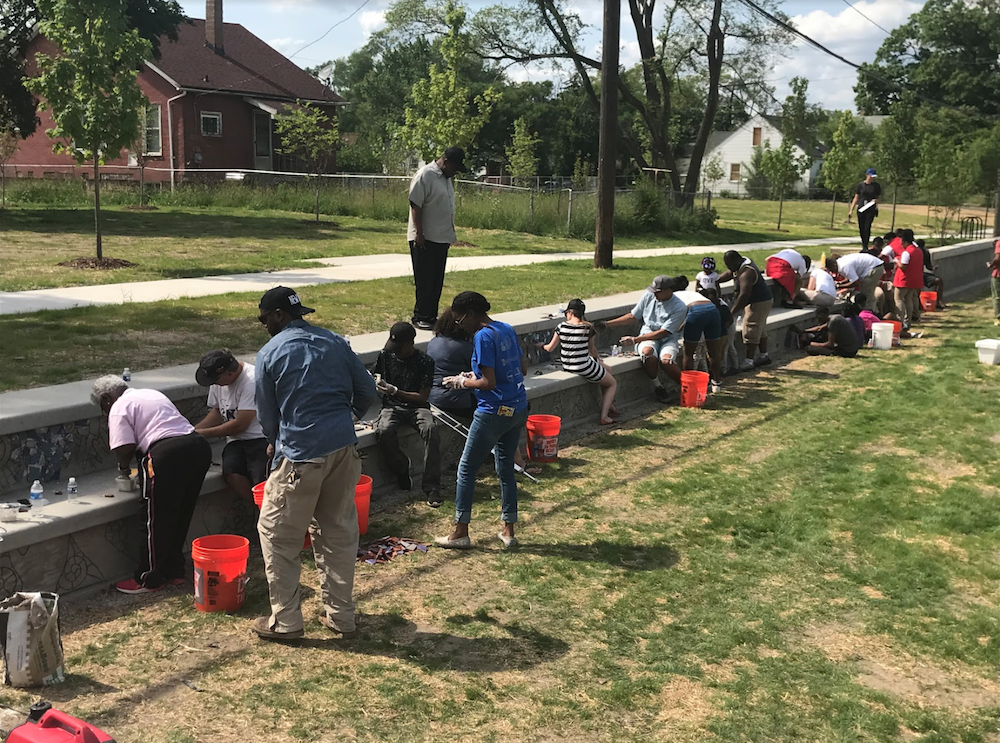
x: 867, y: 192
x: 405, y: 383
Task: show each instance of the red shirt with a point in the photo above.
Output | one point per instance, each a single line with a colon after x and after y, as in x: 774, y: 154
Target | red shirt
x: 911, y: 275
x: 996, y: 253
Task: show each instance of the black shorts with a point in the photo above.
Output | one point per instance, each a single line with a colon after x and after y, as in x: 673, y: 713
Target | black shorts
x: 930, y: 280
x: 247, y: 457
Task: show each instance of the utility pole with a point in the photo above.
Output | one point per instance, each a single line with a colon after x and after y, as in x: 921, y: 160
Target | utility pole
x: 605, y: 232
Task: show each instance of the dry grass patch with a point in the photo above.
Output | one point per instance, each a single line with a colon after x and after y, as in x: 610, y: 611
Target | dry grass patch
x: 888, y: 669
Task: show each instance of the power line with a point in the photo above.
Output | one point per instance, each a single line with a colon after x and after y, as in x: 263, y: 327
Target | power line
x: 338, y: 23
x: 891, y: 83
x: 855, y: 9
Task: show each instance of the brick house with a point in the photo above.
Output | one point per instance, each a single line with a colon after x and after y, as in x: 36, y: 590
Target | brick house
x: 213, y: 96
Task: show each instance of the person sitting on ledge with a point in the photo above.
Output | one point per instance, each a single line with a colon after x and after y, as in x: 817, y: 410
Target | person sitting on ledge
x: 658, y: 343
x: 579, y: 355
x: 407, y: 376
x: 173, y: 460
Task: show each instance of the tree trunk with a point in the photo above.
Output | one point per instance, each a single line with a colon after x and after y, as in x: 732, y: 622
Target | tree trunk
x: 996, y: 207
x: 714, y: 56
x: 317, y: 199
x: 892, y: 227
x: 3, y: 187
x: 605, y: 229
x: 142, y: 184
x: 833, y: 209
x: 97, y: 205
x: 781, y: 206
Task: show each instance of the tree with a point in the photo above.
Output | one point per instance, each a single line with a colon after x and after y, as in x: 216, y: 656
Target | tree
x: 894, y: 153
x: 844, y: 162
x: 783, y: 169
x: 712, y: 172
x: 521, y: 153
x: 8, y: 146
x: 757, y: 186
x: 948, y: 51
x: 798, y: 119
x: 311, y: 137
x: 438, y: 115
x: 153, y: 19
x: 138, y: 149
x: 91, y: 87
x: 942, y: 174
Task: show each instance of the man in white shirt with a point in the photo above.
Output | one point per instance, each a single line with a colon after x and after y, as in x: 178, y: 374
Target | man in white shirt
x: 431, y: 231
x: 861, y: 272
x: 821, y: 290
x: 233, y: 414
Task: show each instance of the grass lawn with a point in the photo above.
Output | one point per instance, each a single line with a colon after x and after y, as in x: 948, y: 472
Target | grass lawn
x: 178, y: 242
x: 55, y: 346
x: 810, y: 558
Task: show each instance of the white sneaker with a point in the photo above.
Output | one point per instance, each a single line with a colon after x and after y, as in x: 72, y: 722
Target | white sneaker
x: 747, y: 365
x: 714, y: 386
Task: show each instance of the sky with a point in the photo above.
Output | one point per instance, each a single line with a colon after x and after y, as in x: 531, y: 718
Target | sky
x: 290, y: 25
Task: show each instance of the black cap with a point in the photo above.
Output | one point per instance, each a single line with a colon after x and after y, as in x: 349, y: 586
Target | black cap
x: 456, y: 156
x: 399, y: 335
x: 213, y: 365
x: 576, y: 305
x: 283, y: 298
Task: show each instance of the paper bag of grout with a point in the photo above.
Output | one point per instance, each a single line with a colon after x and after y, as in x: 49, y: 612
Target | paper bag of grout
x: 32, y: 645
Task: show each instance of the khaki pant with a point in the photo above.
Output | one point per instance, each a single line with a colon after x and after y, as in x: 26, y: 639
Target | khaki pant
x: 755, y: 321
x: 907, y: 304
x: 818, y: 299
x: 868, y: 284
x: 318, y: 496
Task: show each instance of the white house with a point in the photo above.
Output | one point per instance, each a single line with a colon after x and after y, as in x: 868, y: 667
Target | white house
x: 735, y: 150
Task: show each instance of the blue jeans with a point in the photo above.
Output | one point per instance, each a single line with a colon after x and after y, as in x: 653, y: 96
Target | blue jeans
x: 489, y: 430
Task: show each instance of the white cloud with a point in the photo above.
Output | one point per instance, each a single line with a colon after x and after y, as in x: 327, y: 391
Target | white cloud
x: 371, y: 21
x: 286, y: 45
x: 847, y: 33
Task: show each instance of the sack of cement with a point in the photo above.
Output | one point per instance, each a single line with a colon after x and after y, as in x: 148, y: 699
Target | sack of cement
x: 32, y: 645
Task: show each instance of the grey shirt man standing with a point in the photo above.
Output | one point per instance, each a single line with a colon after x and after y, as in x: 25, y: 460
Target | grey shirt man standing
x: 431, y: 231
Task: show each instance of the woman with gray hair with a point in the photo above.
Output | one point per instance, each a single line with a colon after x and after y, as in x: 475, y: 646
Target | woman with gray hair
x: 173, y: 460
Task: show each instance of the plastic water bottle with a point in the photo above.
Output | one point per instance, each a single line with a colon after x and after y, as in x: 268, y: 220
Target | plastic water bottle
x: 127, y: 374
x: 37, y: 497
x: 71, y: 489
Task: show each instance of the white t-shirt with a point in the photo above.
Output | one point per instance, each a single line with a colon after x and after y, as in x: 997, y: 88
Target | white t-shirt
x: 235, y: 397
x: 793, y: 259
x: 689, y: 298
x: 435, y: 195
x: 855, y: 266
x: 708, y: 280
x: 824, y: 282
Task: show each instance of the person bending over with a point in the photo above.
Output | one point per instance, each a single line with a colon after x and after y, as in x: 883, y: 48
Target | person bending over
x: 841, y: 336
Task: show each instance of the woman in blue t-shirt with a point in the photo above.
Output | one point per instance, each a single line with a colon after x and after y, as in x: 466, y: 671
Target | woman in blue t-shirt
x: 497, y: 378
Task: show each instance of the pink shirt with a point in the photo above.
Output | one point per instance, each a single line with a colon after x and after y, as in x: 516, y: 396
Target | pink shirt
x: 143, y: 417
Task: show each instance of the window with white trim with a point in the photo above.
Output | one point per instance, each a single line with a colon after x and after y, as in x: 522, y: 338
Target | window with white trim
x: 211, y: 124
x: 153, y: 142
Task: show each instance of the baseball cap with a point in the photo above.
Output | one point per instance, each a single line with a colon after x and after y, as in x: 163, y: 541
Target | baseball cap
x: 576, y: 305
x: 283, y: 298
x: 456, y: 156
x: 660, y: 283
x: 213, y: 365
x: 399, y: 335
x: 871, y: 172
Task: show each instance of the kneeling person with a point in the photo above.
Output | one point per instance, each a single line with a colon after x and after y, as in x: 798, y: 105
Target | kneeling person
x: 407, y: 376
x: 233, y: 414
x: 841, y: 336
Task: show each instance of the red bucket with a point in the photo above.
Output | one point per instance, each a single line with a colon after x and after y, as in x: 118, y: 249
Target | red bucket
x: 928, y: 301
x: 897, y: 328
x: 694, y: 388
x: 543, y: 437
x: 362, y: 501
x: 220, y: 571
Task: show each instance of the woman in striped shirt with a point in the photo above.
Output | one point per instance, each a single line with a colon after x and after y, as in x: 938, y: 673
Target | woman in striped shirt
x: 579, y: 355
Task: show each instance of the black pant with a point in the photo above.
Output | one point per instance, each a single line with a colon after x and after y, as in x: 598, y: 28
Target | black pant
x: 387, y: 428
x: 428, y: 277
x: 172, y: 473
x: 865, y: 220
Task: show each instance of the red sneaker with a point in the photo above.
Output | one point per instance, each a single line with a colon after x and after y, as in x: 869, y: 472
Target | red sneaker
x: 133, y: 586
x: 175, y: 582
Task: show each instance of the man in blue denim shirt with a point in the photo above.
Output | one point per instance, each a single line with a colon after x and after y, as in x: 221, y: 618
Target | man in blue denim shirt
x: 308, y: 382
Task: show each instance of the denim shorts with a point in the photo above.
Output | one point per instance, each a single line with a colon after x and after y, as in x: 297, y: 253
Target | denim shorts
x: 702, y: 319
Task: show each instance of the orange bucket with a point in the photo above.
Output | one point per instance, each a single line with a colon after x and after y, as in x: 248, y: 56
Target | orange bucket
x: 694, y: 388
x: 220, y: 571
x: 258, y: 498
x: 363, y: 501
x: 928, y: 301
x: 897, y: 328
x: 543, y: 437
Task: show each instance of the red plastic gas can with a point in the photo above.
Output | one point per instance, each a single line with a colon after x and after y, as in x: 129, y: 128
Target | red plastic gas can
x: 47, y: 725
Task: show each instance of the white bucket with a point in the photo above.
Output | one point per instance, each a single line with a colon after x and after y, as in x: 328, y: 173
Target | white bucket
x: 882, y: 335
x: 989, y: 351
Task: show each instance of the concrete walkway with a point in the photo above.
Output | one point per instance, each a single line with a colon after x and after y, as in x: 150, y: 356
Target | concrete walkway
x: 341, y: 269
